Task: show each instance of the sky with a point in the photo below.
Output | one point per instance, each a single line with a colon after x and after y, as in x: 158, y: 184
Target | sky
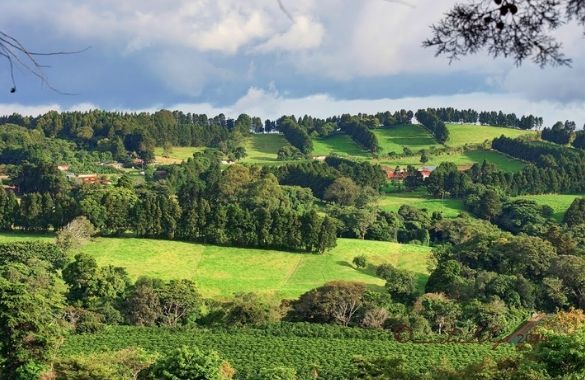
x: 269, y: 58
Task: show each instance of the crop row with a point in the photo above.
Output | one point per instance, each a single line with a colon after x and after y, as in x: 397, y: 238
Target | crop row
x: 249, y: 350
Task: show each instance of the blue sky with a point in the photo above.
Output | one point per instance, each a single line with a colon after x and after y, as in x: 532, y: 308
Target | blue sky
x: 319, y: 57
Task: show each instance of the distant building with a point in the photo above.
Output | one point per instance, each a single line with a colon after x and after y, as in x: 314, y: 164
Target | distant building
x: 63, y: 167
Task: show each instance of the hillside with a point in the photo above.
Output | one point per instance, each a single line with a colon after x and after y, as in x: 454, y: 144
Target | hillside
x: 461, y: 134
x: 223, y: 271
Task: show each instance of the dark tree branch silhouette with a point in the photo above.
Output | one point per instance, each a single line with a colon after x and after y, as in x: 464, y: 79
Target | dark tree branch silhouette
x: 17, y: 54
x: 520, y: 29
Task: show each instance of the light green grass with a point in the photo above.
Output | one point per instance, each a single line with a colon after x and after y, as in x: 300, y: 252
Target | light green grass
x: 449, y: 207
x: 469, y: 158
x: 461, y: 134
x: 262, y: 149
x: 559, y: 202
x: 178, y: 153
x: 342, y: 145
x: 223, y: 271
x: 412, y: 136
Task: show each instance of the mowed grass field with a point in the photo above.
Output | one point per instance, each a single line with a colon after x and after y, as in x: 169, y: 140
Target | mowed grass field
x: 463, y: 159
x: 450, y: 208
x: 412, y: 136
x: 559, y: 202
x: 342, y: 145
x: 223, y: 271
x: 461, y: 134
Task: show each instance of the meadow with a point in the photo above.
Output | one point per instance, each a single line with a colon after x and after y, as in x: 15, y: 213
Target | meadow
x: 462, y: 134
x: 327, y: 349
x: 342, y: 145
x: 262, y: 149
x: 559, y: 202
x: 177, y: 154
x: 450, y: 208
x: 412, y: 136
x: 461, y: 159
x: 223, y: 271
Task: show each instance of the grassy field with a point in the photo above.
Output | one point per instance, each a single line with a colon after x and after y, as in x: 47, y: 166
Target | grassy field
x: 463, y: 159
x: 222, y: 271
x: 461, y: 134
x: 394, y: 139
x: 342, y: 145
x: 177, y: 155
x: 559, y: 202
x: 263, y: 148
x: 449, y: 207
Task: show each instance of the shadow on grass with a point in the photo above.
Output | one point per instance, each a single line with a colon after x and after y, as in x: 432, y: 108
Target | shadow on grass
x: 369, y: 270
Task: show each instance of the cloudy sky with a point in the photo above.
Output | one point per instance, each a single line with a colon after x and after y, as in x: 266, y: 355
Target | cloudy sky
x: 319, y: 57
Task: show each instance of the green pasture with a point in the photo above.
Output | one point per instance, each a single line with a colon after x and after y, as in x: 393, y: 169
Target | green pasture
x: 342, y: 145
x: 392, y: 202
x: 223, y: 271
x: 412, y: 136
x: 469, y: 158
x: 559, y: 202
x: 461, y: 134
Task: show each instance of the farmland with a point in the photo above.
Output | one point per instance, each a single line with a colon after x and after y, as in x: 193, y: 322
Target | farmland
x: 449, y: 207
x: 328, y: 349
x: 559, y: 202
x: 177, y: 154
x: 463, y: 159
x: 342, y: 145
x: 413, y: 137
x: 262, y: 149
x: 462, y: 134
x: 223, y: 271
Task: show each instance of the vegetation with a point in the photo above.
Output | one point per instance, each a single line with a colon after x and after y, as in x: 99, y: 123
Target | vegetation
x: 328, y: 350
x: 224, y: 271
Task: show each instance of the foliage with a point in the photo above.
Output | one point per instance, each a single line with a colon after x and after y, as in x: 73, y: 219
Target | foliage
x: 305, y: 347
x: 75, y: 234
x: 31, y: 301
x: 519, y: 29
x: 187, y: 363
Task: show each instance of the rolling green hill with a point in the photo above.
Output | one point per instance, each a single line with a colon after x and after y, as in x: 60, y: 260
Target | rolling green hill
x: 342, y: 145
x: 412, y: 136
x: 262, y: 149
x: 223, y: 271
x: 461, y: 134
x: 468, y: 158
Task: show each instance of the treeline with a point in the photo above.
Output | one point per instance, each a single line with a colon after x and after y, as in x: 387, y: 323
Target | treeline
x: 296, y: 136
x: 495, y: 118
x: 240, y: 206
x: 319, y: 176
x: 553, y: 169
x: 135, y: 132
x: 564, y: 133
x: 433, y: 124
x: 19, y: 145
x: 359, y: 131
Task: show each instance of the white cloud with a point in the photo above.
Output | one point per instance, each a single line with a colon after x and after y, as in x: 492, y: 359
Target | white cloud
x: 303, y: 34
